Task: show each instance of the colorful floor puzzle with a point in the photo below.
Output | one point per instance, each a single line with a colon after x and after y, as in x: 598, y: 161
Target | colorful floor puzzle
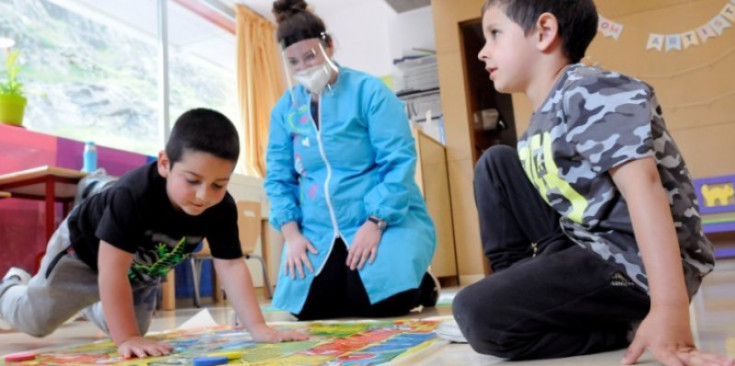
x: 331, y: 343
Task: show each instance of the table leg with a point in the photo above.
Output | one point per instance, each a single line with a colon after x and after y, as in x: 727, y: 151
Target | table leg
x: 50, y: 218
x: 50, y: 208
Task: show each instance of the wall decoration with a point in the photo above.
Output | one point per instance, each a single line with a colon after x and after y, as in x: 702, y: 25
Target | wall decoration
x: 718, y: 24
x: 608, y: 28
x: 655, y: 41
x: 689, y: 39
x: 715, y: 27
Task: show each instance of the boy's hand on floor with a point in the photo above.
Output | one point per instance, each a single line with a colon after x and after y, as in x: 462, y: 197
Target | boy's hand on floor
x: 266, y: 334
x: 141, y: 347
x: 667, y: 334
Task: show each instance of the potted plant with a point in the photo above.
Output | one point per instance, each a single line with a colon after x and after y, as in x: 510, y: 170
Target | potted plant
x: 12, y: 101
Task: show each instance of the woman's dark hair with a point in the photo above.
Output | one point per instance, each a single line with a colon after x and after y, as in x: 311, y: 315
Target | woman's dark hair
x: 296, y: 23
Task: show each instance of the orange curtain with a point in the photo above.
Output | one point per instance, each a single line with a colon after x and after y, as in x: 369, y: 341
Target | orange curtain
x: 259, y: 84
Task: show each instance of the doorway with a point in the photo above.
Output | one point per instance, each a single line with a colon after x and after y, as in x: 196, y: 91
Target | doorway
x: 492, y: 121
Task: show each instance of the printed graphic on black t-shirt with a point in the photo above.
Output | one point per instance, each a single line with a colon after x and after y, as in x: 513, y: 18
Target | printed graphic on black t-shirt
x: 167, y: 253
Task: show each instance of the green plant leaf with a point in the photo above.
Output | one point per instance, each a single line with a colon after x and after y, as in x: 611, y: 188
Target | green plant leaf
x: 11, y: 85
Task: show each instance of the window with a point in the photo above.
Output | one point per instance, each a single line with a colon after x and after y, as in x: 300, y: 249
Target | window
x: 202, y: 65
x: 90, y: 68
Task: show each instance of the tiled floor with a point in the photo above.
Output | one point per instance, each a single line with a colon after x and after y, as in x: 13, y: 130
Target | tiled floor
x: 713, y: 321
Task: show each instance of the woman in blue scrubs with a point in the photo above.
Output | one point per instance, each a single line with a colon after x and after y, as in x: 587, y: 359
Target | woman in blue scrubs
x: 340, y: 179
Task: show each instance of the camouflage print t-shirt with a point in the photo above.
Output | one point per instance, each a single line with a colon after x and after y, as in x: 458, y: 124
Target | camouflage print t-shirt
x: 595, y: 120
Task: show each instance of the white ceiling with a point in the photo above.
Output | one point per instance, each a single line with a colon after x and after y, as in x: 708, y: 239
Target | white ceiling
x: 263, y: 7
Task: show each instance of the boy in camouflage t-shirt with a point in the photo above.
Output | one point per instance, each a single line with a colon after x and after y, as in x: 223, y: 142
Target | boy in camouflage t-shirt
x: 592, y: 225
x: 592, y: 122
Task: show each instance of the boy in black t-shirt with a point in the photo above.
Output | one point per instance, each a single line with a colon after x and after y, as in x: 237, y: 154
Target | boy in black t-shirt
x: 109, y: 255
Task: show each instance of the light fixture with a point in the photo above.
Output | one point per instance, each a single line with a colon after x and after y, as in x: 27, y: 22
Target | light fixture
x: 6, y: 42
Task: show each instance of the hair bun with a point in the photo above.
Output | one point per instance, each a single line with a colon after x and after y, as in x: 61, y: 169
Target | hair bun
x: 283, y: 9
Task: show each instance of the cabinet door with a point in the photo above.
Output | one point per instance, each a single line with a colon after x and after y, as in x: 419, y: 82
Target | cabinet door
x: 432, y: 176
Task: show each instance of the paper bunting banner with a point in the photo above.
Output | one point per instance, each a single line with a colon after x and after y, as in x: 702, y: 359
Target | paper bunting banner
x: 705, y: 32
x: 608, y: 28
x: 689, y: 39
x: 655, y: 41
x: 678, y: 41
x: 718, y: 24
x: 728, y: 12
x: 673, y: 42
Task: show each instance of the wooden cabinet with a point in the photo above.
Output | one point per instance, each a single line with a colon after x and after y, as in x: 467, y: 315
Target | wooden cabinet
x: 433, y: 179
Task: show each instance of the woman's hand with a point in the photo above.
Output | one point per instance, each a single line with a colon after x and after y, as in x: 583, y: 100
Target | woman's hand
x: 365, y: 246
x: 296, y: 256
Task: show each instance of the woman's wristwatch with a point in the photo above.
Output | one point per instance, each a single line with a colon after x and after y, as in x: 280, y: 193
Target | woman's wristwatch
x: 379, y: 222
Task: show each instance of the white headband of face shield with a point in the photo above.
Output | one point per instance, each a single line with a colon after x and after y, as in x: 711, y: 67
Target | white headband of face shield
x: 317, y: 77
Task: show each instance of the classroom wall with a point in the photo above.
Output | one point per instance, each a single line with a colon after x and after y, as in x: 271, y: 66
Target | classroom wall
x: 368, y: 35
x: 695, y: 88
x: 361, y: 34
x: 412, y: 29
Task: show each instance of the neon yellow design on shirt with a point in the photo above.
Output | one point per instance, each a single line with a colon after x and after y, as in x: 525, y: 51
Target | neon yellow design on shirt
x: 300, y: 112
x: 537, y: 157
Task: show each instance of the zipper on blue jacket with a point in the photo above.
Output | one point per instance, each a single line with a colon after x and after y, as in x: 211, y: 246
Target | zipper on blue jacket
x: 335, y: 225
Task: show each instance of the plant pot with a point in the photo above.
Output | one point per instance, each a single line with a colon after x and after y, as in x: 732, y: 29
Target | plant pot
x: 11, y: 109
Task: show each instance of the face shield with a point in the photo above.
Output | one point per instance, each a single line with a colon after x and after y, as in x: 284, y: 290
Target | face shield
x: 307, y: 63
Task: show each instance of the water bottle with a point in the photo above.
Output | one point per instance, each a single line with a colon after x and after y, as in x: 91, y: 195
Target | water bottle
x: 89, y: 157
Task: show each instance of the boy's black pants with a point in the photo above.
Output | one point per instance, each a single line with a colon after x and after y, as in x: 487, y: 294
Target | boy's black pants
x: 548, y: 297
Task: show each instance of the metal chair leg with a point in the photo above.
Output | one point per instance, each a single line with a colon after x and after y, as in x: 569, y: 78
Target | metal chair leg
x: 266, y: 281
x: 196, y: 266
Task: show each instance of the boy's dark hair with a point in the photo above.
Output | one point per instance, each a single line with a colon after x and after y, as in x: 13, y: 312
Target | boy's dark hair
x: 296, y: 23
x: 203, y: 130
x: 577, y: 20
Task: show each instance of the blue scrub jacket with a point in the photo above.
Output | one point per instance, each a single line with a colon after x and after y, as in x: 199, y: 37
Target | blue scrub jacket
x: 360, y: 162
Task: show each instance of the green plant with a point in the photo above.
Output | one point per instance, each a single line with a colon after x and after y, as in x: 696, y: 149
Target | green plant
x: 11, y: 85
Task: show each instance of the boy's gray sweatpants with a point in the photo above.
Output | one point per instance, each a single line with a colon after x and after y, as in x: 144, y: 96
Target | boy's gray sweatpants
x: 63, y: 286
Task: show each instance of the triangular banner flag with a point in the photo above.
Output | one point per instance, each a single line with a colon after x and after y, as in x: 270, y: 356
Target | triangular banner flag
x: 608, y: 28
x: 705, y: 32
x: 673, y: 42
x: 655, y: 41
x: 689, y: 39
x: 718, y: 24
x: 728, y: 12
